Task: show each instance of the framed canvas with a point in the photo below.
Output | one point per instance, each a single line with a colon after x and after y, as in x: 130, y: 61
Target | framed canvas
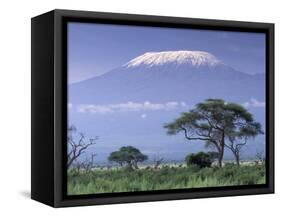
x: 134, y: 108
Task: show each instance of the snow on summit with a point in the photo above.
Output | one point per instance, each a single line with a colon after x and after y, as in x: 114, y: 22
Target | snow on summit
x: 194, y: 58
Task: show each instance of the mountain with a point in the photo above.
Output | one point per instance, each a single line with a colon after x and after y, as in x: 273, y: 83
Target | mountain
x: 189, y: 76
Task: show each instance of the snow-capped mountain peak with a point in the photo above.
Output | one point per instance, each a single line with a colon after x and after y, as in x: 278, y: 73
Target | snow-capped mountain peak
x: 193, y: 58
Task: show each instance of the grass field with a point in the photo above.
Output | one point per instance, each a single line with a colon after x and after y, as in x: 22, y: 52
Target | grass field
x: 122, y: 180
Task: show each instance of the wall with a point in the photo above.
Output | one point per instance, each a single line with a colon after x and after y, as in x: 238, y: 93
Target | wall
x: 15, y: 106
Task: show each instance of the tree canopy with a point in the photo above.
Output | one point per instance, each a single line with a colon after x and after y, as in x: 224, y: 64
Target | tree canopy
x: 128, y: 156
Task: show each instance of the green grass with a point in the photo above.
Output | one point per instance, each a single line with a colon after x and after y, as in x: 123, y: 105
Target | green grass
x: 122, y: 180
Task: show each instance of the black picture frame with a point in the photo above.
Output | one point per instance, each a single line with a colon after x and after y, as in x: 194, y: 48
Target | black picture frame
x: 49, y: 107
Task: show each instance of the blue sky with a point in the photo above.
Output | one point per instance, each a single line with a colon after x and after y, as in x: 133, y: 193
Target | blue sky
x: 97, y: 48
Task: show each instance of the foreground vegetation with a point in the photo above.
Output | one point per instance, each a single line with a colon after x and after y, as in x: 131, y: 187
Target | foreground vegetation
x: 124, y: 180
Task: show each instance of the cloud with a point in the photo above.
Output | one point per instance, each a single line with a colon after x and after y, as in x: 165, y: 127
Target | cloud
x: 143, y: 116
x: 130, y: 107
x: 69, y: 105
x: 254, y: 103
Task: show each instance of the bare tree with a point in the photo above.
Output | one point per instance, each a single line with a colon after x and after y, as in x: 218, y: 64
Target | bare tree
x: 157, y: 161
x: 260, y: 156
x: 77, y: 148
x: 83, y: 166
x: 87, y: 165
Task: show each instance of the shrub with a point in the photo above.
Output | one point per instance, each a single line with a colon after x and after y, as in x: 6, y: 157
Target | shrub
x: 200, y: 159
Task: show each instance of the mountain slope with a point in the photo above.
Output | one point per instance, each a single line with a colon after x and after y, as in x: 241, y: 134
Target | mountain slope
x: 163, y: 76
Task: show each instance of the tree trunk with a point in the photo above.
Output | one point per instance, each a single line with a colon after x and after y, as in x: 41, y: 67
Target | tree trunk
x: 136, y: 165
x: 70, y: 161
x: 220, y: 158
x: 130, y: 166
x: 221, y: 151
x: 237, y: 158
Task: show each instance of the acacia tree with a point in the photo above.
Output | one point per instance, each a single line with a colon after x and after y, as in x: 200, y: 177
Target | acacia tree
x: 237, y: 138
x: 129, y: 156
x: 211, y: 121
x: 76, y: 147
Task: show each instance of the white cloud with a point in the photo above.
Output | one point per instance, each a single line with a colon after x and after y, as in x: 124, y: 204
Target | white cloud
x: 69, y: 105
x: 254, y: 103
x: 130, y: 107
x: 183, y: 104
x: 143, y: 116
